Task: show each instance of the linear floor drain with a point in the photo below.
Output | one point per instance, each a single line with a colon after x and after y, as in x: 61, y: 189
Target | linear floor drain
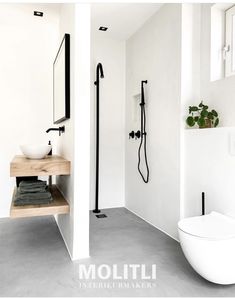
x: 101, y: 216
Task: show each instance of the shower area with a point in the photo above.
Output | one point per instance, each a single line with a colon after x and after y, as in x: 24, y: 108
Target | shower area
x: 135, y: 124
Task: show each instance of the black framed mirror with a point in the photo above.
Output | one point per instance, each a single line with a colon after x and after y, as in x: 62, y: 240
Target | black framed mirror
x: 61, y: 82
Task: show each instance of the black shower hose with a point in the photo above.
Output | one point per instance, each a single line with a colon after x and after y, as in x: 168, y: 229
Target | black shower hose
x: 143, y: 139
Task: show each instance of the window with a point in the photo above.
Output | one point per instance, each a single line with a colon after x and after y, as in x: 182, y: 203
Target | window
x: 217, y: 42
x: 222, y: 41
x: 229, y: 49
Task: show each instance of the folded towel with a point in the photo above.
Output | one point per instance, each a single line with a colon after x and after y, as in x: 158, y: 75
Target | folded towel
x: 32, y: 202
x: 33, y: 196
x: 32, y: 186
x: 32, y: 193
x: 33, y: 183
x: 23, y: 190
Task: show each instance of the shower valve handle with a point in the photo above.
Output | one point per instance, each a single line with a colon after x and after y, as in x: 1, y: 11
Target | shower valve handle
x: 137, y: 134
x: 132, y: 134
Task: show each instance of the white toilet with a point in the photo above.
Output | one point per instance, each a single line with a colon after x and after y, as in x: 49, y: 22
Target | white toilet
x: 208, y: 243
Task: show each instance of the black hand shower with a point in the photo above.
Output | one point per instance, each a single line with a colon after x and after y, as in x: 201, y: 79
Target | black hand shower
x: 143, y: 135
x: 99, y: 74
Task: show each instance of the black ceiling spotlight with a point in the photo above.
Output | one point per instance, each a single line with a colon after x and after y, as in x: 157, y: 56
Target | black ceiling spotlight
x: 38, y: 13
x: 103, y: 28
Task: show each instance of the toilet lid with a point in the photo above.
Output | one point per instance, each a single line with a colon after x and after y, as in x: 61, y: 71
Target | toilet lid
x: 213, y: 226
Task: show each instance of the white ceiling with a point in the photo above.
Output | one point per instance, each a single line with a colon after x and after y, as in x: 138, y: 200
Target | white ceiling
x: 122, y: 19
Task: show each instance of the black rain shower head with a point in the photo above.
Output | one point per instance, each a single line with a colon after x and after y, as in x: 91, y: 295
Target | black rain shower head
x: 99, y: 68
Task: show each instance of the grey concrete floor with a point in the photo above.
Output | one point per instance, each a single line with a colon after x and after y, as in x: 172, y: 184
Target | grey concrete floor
x: 34, y: 260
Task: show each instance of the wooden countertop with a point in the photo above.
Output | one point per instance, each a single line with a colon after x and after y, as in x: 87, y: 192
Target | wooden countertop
x: 21, y: 166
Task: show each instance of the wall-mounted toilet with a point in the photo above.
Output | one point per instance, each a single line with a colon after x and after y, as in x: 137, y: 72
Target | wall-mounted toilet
x: 208, y: 243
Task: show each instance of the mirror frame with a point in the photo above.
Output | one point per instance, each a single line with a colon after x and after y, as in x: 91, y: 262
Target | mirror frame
x: 66, y: 43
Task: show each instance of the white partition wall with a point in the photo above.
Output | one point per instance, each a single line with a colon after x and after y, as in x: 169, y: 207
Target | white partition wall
x: 75, y: 143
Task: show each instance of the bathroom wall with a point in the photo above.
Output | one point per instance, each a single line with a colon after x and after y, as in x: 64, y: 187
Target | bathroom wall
x: 210, y: 167
x: 208, y: 162
x: 74, y: 144
x: 111, y: 53
x: 154, y: 53
x: 190, y: 83
x: 28, y: 48
x: 218, y: 94
x: 190, y: 58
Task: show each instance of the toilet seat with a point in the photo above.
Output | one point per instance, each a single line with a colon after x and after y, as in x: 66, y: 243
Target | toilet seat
x: 214, y: 226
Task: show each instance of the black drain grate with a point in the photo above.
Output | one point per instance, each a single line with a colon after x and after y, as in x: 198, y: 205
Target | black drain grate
x: 101, y: 216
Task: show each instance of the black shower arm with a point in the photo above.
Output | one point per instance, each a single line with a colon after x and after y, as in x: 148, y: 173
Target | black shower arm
x: 99, y: 73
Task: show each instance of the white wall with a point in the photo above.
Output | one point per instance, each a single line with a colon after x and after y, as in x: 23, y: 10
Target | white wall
x: 26, y: 75
x: 210, y: 167
x: 111, y: 53
x: 191, y: 57
x: 208, y: 164
x: 190, y: 80
x: 74, y: 144
x: 154, y: 53
x: 218, y: 94
x: 28, y: 49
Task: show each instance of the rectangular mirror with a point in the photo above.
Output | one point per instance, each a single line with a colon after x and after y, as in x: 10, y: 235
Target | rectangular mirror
x: 61, y: 82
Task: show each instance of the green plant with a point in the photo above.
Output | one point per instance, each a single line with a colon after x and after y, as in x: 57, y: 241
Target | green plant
x: 202, y: 116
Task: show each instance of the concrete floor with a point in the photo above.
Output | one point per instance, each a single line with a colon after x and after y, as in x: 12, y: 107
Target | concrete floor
x: 34, y: 260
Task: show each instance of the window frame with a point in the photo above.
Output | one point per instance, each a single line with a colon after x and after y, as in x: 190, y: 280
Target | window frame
x: 229, y: 50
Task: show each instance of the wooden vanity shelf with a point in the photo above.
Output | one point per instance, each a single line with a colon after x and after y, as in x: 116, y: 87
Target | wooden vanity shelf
x: 51, y: 165
x: 58, y: 206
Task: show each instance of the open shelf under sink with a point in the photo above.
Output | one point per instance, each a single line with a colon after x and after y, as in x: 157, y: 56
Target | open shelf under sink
x: 59, y: 205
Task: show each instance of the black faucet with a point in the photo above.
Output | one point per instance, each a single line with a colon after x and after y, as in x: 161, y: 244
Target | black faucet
x: 60, y: 129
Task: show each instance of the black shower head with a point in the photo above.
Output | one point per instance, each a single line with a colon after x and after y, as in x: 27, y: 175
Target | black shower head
x: 100, y: 68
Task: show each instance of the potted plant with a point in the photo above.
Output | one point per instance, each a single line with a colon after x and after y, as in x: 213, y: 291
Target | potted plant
x: 202, y: 116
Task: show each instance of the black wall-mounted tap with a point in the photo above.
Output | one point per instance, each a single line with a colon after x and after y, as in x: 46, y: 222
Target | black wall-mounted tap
x: 60, y: 129
x: 135, y: 135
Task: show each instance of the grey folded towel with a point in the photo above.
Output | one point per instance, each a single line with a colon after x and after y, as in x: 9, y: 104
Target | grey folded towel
x: 33, y: 196
x: 32, y: 202
x: 38, y: 183
x: 32, y: 186
x: 35, y: 189
x: 32, y: 193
